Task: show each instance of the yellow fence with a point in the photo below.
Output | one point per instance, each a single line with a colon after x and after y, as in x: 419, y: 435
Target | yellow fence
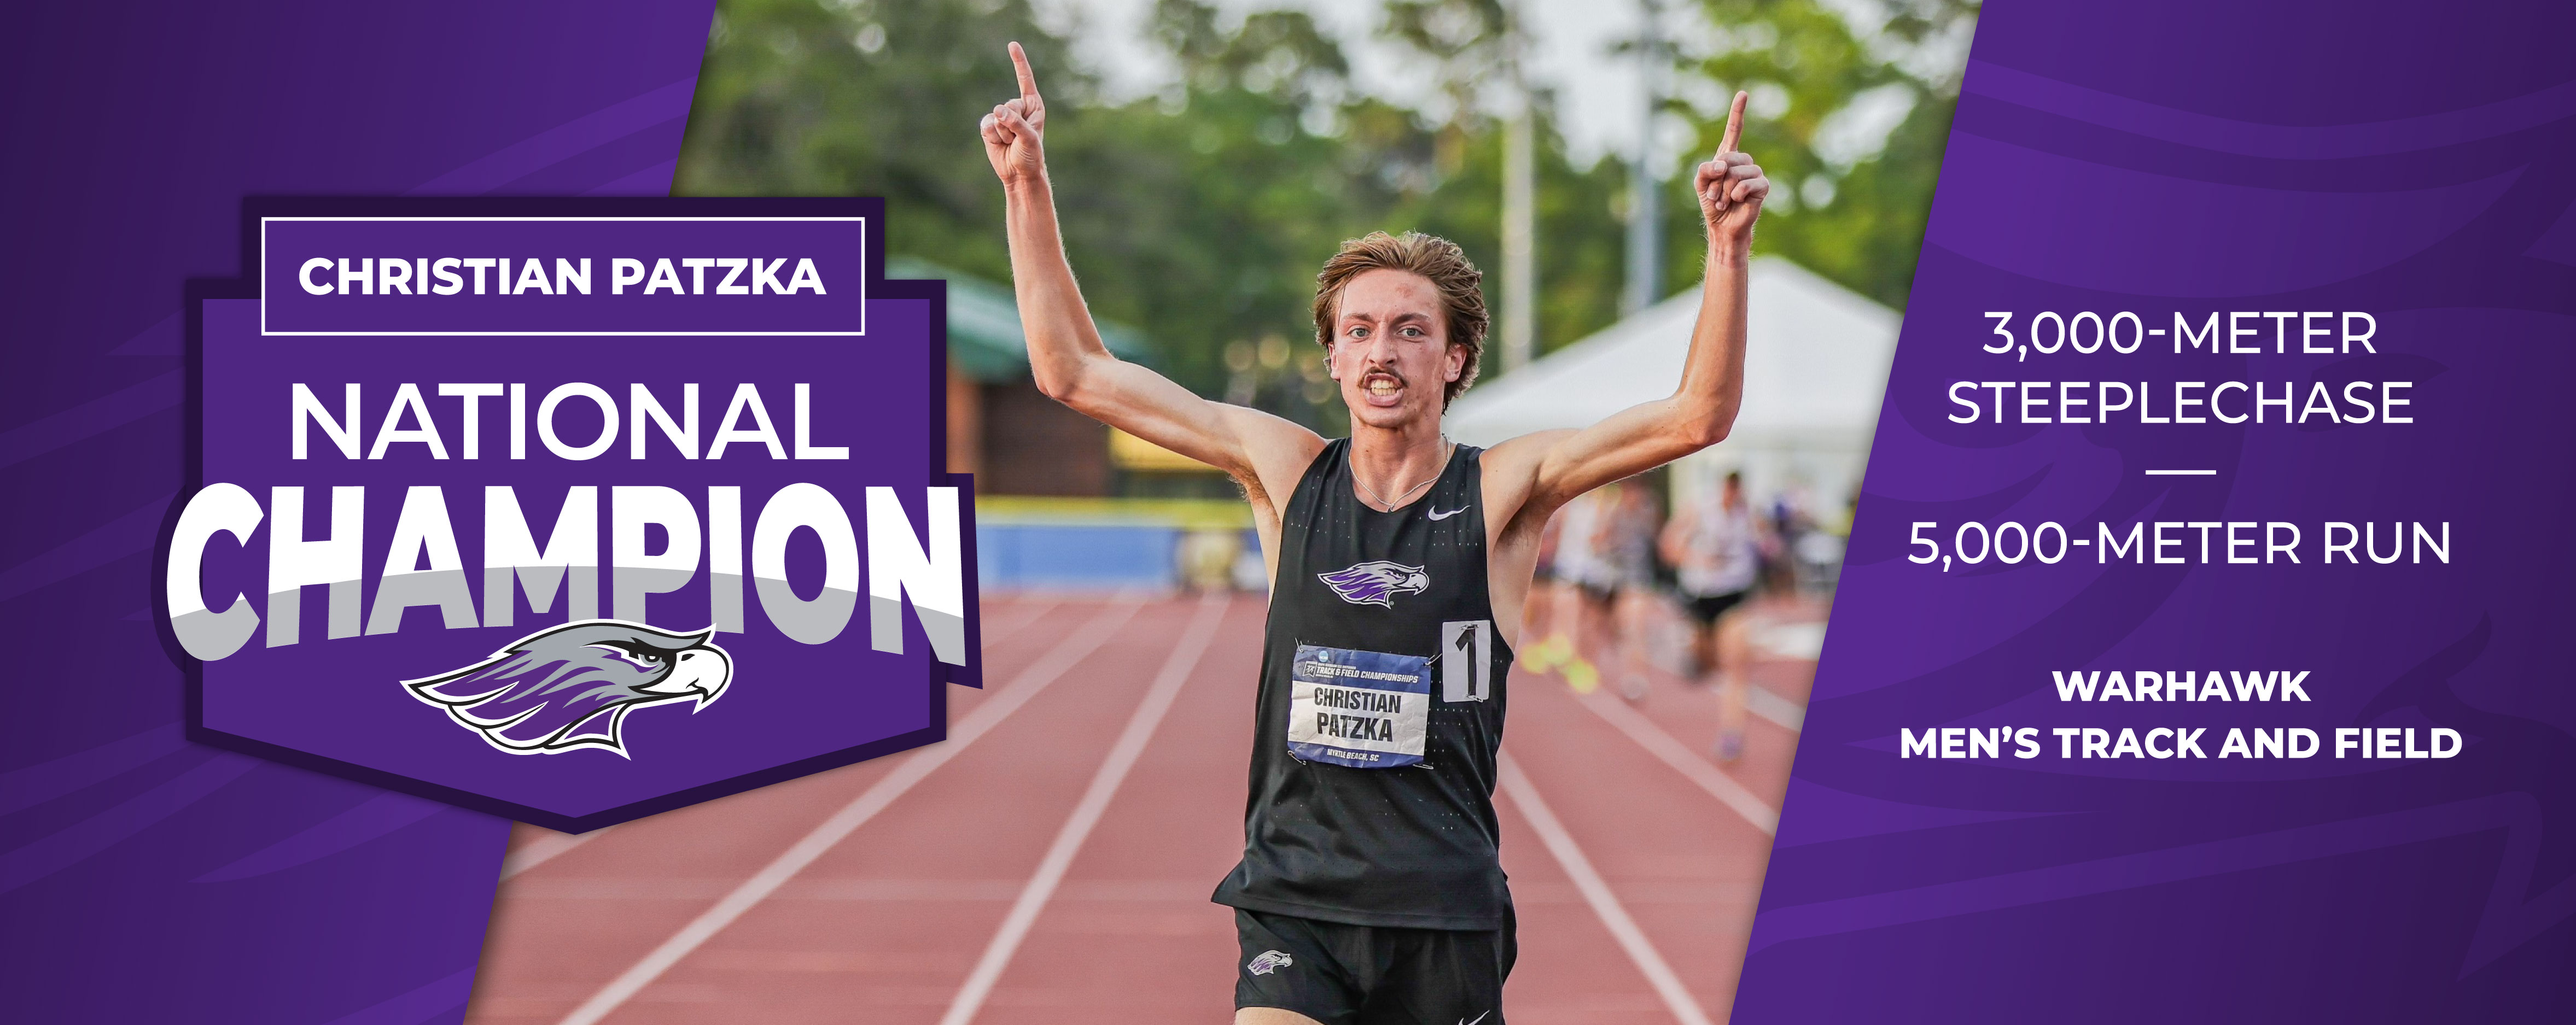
x: 1181, y: 513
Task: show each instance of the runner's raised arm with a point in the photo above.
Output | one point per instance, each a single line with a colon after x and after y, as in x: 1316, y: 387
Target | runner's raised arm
x: 1262, y: 451
x: 1554, y: 466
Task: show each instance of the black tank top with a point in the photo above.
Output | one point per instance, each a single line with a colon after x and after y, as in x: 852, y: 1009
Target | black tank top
x: 1381, y: 710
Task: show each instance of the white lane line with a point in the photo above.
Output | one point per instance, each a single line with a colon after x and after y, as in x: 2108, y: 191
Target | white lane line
x: 1788, y: 715
x: 1677, y: 998
x: 1086, y: 813
x: 920, y: 763
x: 1043, y: 607
x: 544, y: 849
x: 2181, y: 473
x: 552, y: 845
x: 1683, y: 760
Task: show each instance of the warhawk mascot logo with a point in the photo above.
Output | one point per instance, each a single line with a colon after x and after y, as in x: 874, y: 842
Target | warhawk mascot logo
x: 571, y: 686
x: 1376, y: 582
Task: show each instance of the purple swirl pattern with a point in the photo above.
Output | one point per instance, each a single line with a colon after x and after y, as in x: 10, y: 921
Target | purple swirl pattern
x: 254, y: 892
x: 2195, y: 157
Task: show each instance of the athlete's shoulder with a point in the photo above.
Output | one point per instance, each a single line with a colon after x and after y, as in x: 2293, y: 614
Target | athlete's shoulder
x: 1509, y: 471
x: 1280, y: 455
x: 1331, y: 452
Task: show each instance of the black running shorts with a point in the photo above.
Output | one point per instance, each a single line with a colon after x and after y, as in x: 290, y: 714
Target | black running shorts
x: 1706, y: 608
x: 1370, y: 975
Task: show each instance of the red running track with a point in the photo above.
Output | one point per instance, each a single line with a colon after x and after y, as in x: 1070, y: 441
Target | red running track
x: 873, y: 893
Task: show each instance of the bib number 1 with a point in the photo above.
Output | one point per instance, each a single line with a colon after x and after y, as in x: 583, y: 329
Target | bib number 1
x: 1467, y: 660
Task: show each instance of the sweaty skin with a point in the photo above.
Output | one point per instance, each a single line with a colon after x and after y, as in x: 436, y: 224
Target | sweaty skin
x: 1390, y: 355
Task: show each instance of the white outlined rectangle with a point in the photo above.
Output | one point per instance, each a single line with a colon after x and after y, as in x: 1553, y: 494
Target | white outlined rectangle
x: 264, y: 286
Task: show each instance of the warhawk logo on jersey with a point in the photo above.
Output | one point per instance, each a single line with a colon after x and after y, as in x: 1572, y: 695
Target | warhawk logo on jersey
x: 572, y: 686
x: 1269, y: 961
x: 1376, y: 582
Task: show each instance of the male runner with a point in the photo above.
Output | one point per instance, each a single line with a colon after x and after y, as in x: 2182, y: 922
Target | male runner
x: 1713, y: 546
x: 1369, y: 889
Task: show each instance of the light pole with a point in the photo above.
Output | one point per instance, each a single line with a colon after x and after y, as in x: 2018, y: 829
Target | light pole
x: 1645, y: 276
x: 1520, y: 270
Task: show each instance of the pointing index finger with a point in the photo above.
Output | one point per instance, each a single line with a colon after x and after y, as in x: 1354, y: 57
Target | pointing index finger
x: 1029, y: 81
x: 1725, y: 143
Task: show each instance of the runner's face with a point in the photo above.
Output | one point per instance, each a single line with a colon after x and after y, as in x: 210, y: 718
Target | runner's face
x: 1391, y: 348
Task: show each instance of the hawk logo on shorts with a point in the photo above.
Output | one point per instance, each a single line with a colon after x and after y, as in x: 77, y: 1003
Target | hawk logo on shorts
x: 571, y: 686
x: 1376, y: 582
x: 1269, y: 961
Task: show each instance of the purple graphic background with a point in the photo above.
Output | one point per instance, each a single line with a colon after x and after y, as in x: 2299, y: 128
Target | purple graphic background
x: 840, y: 263
x: 143, y: 878
x: 2416, y: 165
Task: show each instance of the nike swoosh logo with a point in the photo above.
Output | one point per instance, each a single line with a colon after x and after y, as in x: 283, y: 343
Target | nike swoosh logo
x: 1438, y: 515
x: 1479, y: 1017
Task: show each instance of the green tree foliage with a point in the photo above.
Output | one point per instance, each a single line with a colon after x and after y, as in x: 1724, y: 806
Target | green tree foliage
x: 868, y: 98
x: 1860, y: 222
x: 1579, y: 224
x: 1199, y: 216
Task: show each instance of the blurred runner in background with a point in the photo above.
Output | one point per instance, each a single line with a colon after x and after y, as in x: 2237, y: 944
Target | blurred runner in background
x: 1791, y: 523
x: 1715, y: 546
x: 1625, y: 549
x: 1545, y: 615
x: 1584, y: 590
x: 1773, y: 620
x: 1604, y: 600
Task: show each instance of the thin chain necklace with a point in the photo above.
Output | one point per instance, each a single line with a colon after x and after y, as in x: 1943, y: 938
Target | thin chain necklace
x: 1408, y: 492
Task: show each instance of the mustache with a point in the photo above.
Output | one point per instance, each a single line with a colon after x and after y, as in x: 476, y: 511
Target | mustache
x: 1388, y: 372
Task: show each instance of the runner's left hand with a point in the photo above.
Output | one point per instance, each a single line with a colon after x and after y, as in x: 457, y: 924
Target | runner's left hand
x: 1731, y: 187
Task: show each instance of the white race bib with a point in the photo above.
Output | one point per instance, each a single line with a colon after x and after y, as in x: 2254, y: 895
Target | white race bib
x: 1358, y: 709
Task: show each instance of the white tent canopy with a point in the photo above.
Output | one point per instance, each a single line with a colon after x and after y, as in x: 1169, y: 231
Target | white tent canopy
x: 1815, y: 367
